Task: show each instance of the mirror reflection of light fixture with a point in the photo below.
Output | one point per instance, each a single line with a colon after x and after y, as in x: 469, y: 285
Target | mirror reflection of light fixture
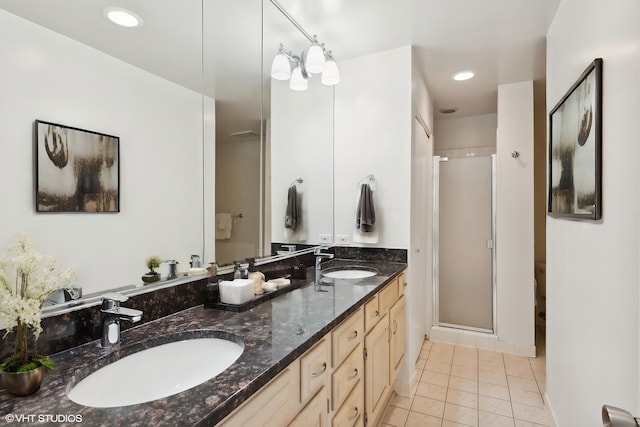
x: 314, y: 60
x: 280, y: 68
x: 330, y: 75
x: 298, y: 82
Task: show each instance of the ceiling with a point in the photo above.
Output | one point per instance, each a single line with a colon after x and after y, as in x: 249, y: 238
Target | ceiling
x: 502, y: 41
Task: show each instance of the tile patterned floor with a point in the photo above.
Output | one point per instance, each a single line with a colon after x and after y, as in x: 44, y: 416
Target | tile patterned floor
x: 461, y: 386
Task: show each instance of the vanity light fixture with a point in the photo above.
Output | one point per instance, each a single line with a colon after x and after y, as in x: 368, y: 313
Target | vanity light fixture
x: 123, y: 17
x: 314, y: 60
x: 463, y: 75
x: 314, y: 57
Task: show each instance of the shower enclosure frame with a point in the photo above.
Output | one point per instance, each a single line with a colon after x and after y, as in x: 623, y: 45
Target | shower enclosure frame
x: 436, y: 247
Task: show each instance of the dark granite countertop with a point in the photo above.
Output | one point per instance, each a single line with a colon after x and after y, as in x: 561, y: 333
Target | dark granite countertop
x: 274, y: 333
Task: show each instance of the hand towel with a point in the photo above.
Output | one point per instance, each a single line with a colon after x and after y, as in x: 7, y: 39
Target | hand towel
x: 224, y: 223
x: 292, y: 212
x: 366, y: 213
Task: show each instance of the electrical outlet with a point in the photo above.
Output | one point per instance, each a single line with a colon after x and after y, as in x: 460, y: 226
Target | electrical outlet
x: 325, y: 238
x: 343, y: 239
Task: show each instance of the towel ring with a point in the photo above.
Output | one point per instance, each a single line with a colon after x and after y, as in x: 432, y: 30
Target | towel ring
x: 371, y: 180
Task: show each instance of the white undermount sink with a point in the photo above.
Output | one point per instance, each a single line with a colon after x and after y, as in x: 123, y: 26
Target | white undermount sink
x: 156, y: 372
x: 349, y: 273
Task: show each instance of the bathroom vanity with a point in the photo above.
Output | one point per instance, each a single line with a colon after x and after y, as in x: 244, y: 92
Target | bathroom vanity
x: 324, y: 355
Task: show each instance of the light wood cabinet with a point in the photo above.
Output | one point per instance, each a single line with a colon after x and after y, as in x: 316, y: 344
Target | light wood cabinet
x: 397, y: 326
x: 351, y: 414
x: 376, y: 368
x: 314, y: 414
x: 272, y: 406
x: 345, y: 379
x: 314, y: 369
x: 346, y: 336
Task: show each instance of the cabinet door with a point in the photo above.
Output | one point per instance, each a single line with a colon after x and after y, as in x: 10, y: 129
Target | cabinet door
x: 402, y: 283
x: 397, y: 324
x: 314, y: 414
x: 376, y: 369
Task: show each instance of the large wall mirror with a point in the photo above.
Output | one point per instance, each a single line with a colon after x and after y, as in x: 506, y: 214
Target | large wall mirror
x: 299, y: 139
x: 189, y: 86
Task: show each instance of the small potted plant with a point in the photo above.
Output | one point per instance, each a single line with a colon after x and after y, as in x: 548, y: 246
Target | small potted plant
x: 151, y: 276
x: 26, y: 279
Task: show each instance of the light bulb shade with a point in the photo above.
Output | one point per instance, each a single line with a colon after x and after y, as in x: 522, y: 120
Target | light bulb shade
x: 314, y: 62
x: 298, y: 82
x: 280, y: 67
x: 330, y: 75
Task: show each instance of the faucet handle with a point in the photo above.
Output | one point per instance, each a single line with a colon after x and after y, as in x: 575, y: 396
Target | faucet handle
x: 114, y: 296
x: 112, y: 299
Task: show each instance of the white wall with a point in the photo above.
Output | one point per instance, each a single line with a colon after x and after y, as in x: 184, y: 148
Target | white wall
x: 50, y: 77
x: 419, y: 275
x: 592, y: 267
x: 238, y: 192
x: 301, y: 144
x: 514, y: 220
x: 466, y: 132
x: 373, y: 136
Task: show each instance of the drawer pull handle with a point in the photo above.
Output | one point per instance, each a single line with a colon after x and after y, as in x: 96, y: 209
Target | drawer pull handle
x: 320, y: 372
x: 395, y: 326
x: 355, y: 413
x: 353, y: 336
x: 355, y: 374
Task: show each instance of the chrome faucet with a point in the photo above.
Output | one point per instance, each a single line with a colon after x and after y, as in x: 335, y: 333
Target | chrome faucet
x: 112, y: 314
x: 319, y: 255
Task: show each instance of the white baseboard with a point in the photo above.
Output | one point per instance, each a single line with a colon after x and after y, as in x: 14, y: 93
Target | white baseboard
x: 549, y: 410
x: 485, y: 341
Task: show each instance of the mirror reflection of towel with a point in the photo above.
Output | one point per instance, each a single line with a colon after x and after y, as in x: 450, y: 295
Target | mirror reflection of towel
x: 224, y: 224
x: 366, y: 213
x: 292, y: 213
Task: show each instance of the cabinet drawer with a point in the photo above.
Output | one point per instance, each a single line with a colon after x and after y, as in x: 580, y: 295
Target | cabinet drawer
x: 388, y: 296
x: 314, y: 414
x: 351, y: 414
x: 347, y: 376
x: 314, y: 370
x: 371, y: 313
x: 402, y: 284
x: 347, y: 336
x: 273, y: 405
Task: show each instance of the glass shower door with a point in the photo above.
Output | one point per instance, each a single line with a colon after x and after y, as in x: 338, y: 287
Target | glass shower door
x: 464, y: 223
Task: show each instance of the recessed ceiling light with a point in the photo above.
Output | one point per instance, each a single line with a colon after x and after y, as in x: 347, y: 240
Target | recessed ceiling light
x: 123, y: 17
x: 447, y: 110
x: 463, y: 75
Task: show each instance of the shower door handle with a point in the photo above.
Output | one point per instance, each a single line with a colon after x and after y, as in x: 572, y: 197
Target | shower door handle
x: 490, y: 244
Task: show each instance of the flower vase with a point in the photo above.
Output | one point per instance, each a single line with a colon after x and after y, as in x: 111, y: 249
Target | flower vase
x: 23, y: 383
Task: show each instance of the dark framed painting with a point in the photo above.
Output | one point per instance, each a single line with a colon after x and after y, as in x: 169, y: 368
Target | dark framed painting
x: 76, y: 170
x: 575, y: 149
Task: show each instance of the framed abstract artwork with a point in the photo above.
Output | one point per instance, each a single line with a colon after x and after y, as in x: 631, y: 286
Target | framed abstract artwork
x: 575, y: 149
x: 76, y: 170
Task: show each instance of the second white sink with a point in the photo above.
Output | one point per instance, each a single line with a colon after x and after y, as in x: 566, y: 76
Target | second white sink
x: 349, y: 273
x: 156, y: 372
